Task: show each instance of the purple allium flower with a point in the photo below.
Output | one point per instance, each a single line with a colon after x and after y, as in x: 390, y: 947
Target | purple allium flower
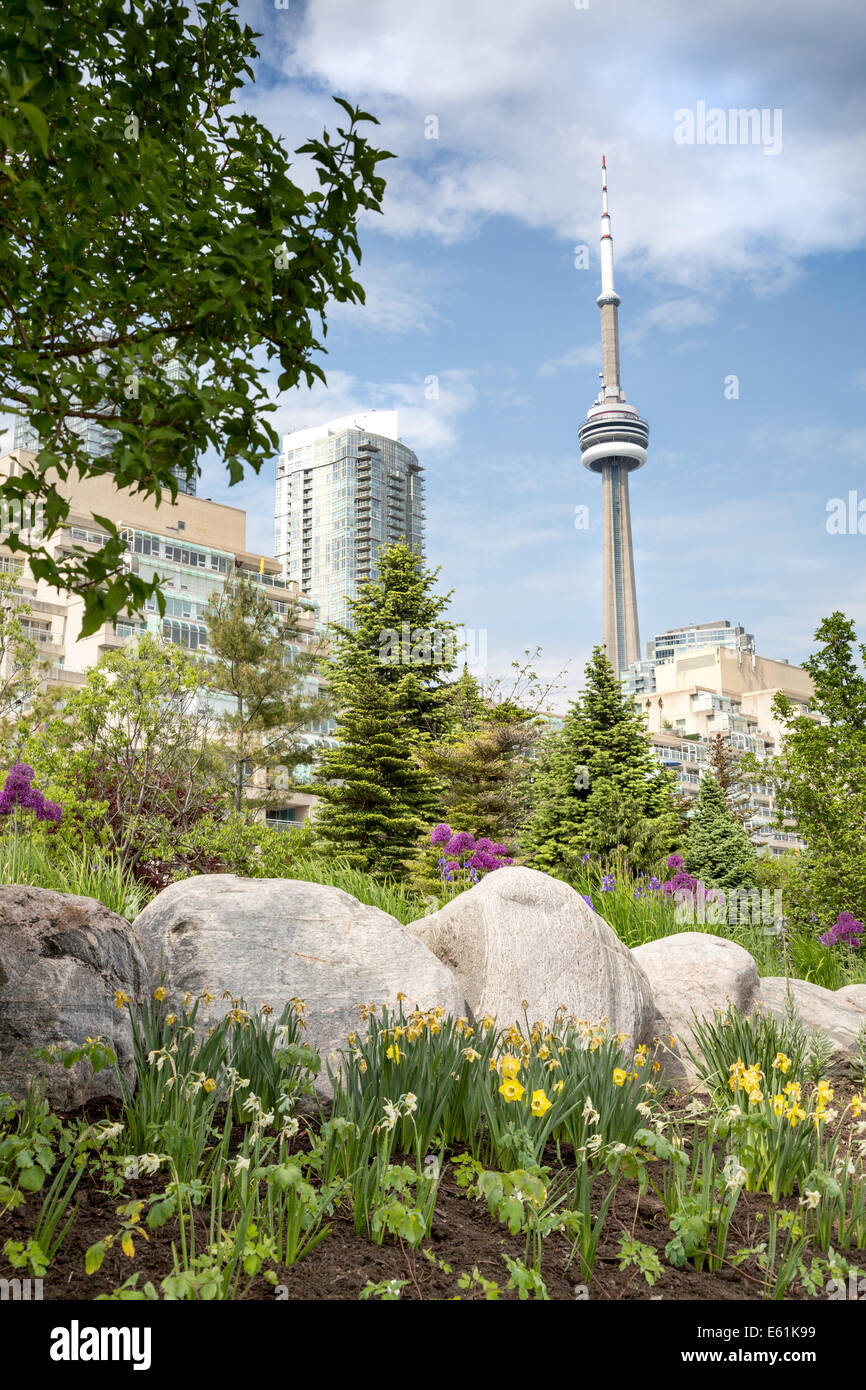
x: 461, y: 843
x: 440, y: 834
x: 676, y: 861
x: 483, y: 861
x: 485, y: 844
x: 52, y: 811
x: 501, y: 850
x: 845, y: 928
x: 452, y: 867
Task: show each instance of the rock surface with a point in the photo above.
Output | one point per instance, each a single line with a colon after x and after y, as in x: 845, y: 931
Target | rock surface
x: 694, y: 973
x: 270, y: 940
x: 834, y: 1012
x: 521, y: 935
x: 61, y: 959
x: 853, y: 994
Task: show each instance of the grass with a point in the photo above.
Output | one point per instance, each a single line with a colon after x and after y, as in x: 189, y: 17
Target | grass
x: 90, y: 873
x: 392, y: 897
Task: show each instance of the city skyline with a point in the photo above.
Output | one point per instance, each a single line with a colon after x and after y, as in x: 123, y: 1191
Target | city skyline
x: 743, y: 341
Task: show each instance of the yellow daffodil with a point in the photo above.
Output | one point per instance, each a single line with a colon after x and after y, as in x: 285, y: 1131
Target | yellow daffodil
x: 393, y: 1053
x: 781, y: 1062
x: 159, y: 994
x: 858, y: 1105
x: 511, y: 1089
x: 778, y: 1105
x: 119, y: 999
x: 619, y: 1077
x: 540, y: 1104
x: 557, y: 1086
x: 795, y: 1114
x: 793, y: 1089
x: 509, y: 1067
x: 471, y: 1055
x: 209, y: 1084
x: 170, y: 1019
x: 756, y: 1096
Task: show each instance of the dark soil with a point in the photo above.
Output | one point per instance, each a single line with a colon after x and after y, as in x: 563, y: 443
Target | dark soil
x: 464, y: 1237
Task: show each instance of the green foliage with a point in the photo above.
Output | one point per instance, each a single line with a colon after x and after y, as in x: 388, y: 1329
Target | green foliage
x: 821, y: 774
x: 597, y: 786
x: 728, y: 1036
x: 376, y: 800
x: 89, y: 873
x: 147, y: 222
x: 717, y: 849
x: 264, y: 669
x: 128, y: 753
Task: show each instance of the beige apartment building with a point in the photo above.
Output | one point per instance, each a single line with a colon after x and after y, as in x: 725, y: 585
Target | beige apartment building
x: 191, y: 543
x: 718, y: 690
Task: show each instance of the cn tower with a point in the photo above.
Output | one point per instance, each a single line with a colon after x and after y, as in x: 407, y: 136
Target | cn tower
x: 613, y: 442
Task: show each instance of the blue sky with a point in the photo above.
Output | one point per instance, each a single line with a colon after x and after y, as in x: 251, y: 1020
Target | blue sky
x: 728, y: 261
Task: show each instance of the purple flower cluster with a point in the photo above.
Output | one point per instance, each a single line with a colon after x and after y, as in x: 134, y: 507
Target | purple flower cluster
x: 845, y: 928
x: 462, y: 852
x: 608, y: 883
x: 682, y: 885
x: 19, y: 791
x: 676, y: 861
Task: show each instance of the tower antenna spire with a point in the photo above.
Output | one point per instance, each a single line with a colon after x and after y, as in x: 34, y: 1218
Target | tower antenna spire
x: 613, y: 442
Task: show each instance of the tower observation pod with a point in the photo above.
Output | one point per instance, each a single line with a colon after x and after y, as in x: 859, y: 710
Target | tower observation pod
x: 613, y: 442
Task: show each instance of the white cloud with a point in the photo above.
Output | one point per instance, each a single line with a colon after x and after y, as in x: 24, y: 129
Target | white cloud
x: 574, y: 357
x: 527, y: 97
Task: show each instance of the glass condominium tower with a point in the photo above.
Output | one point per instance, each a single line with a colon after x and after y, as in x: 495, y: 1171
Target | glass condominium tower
x: 345, y: 489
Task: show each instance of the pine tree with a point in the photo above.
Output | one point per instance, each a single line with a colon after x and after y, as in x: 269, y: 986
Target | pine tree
x: 717, y: 848
x: 388, y: 678
x: 375, y: 800
x: 263, y: 666
x: 598, y: 787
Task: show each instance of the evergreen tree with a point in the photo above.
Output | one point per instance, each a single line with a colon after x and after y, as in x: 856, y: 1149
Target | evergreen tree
x: 717, y: 848
x: 482, y: 767
x: 376, y: 801
x: 727, y: 770
x: 263, y: 665
x: 389, y: 681
x: 597, y: 786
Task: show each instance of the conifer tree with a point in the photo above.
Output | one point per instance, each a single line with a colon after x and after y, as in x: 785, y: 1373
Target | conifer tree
x: 717, y: 848
x: 597, y: 786
x: 389, y: 682
x: 376, y: 801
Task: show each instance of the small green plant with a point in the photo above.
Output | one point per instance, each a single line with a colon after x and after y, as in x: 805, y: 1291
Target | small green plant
x: 634, y: 1253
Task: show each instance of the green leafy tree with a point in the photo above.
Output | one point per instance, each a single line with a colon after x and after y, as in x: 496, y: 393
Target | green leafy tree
x: 129, y: 753
x: 821, y: 772
x: 597, y: 786
x: 717, y: 849
x: 22, y: 669
x: 389, y: 683
x: 268, y: 669
x: 145, y: 220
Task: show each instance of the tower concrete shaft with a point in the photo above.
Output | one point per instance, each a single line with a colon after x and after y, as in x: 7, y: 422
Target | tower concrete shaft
x: 613, y: 442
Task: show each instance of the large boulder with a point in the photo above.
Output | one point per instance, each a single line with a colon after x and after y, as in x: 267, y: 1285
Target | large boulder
x: 520, y: 935
x: 269, y: 940
x: 61, y: 960
x: 834, y: 1012
x: 694, y: 974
